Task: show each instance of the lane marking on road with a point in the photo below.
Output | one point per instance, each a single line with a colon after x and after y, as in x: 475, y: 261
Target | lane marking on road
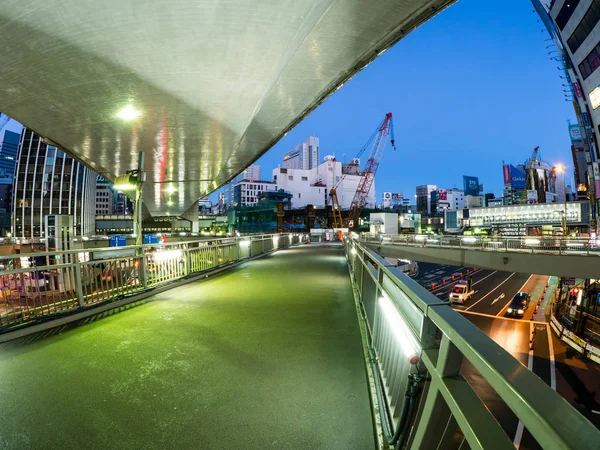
x: 552, y: 363
x: 479, y: 281
x: 595, y: 412
x: 505, y: 306
x: 491, y: 291
x: 446, y: 285
x: 500, y: 297
x: 520, y: 427
x: 491, y: 316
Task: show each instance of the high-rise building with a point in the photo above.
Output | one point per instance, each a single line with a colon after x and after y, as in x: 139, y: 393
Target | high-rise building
x: 250, y: 173
x: 424, y: 198
x: 105, y: 203
x: 47, y: 181
x: 573, y: 27
x: 9, y: 146
x: 304, y: 155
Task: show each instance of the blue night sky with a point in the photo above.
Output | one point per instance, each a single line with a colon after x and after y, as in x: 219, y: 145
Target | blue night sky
x: 469, y: 89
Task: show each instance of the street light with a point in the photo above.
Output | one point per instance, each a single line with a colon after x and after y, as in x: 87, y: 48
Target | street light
x: 561, y: 169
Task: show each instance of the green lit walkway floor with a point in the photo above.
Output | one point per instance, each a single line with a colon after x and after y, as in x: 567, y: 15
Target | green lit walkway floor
x: 266, y: 356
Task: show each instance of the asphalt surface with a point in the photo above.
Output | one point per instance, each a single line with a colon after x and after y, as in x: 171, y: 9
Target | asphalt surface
x: 266, y: 356
x: 486, y: 309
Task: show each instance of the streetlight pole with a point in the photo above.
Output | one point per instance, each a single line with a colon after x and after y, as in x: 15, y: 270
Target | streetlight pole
x: 565, y: 214
x: 141, y: 176
x: 561, y: 169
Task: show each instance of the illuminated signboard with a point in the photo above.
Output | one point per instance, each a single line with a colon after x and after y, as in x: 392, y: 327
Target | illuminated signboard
x: 595, y: 97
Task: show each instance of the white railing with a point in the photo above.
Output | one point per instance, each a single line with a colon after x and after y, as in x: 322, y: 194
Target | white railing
x: 417, y: 345
x: 72, y: 280
x: 525, y: 244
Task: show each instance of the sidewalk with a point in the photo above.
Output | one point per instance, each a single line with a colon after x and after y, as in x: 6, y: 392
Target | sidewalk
x: 577, y: 380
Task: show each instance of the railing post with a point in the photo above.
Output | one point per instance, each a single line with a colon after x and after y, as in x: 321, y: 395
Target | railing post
x: 78, y: 284
x: 143, y: 270
x: 560, y: 246
x: 186, y: 260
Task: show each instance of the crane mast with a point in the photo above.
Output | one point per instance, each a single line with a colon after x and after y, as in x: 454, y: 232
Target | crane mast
x: 366, y: 181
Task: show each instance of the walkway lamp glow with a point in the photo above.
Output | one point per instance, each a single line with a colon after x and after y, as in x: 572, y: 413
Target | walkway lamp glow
x: 400, y: 329
x: 128, y: 112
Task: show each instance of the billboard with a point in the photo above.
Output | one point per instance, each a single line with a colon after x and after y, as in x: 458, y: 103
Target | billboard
x: 442, y: 194
x: 392, y: 196
x: 575, y: 133
x: 471, y: 185
x: 532, y: 196
x: 513, y: 176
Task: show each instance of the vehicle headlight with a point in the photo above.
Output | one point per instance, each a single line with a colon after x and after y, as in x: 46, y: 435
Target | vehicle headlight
x: 520, y: 311
x: 509, y: 310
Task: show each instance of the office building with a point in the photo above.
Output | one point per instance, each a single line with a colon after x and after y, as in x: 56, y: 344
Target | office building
x: 304, y: 156
x: 424, y: 198
x: 9, y: 146
x: 312, y: 187
x: 47, y: 181
x: 249, y: 173
x: 248, y: 192
x: 104, y: 197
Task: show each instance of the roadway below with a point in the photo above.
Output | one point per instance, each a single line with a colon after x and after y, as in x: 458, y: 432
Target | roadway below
x: 575, y: 380
x: 265, y: 356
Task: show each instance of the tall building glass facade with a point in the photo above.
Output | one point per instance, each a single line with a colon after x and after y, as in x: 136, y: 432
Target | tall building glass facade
x: 47, y: 181
x: 9, y: 146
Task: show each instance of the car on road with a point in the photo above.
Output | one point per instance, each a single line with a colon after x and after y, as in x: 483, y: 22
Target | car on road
x: 518, y: 305
x: 461, y: 293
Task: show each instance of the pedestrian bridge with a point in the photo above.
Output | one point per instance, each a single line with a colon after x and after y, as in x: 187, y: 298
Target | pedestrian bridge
x: 268, y: 353
x: 565, y: 257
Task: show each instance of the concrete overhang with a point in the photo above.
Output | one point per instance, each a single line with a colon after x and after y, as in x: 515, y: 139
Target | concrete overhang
x: 207, y: 86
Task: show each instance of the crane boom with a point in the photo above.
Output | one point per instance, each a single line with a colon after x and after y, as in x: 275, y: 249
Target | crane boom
x: 366, y: 181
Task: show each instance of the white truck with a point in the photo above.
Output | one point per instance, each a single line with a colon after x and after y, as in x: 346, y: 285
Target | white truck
x: 461, y: 293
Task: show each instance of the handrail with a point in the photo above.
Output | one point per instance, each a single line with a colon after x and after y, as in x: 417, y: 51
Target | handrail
x: 527, y: 244
x: 444, y: 338
x: 31, y: 294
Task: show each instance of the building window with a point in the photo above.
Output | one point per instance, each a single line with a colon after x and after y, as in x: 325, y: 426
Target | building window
x: 565, y: 13
x: 590, y: 63
x: 304, y: 178
x: 290, y: 177
x: 585, y: 27
x: 298, y: 194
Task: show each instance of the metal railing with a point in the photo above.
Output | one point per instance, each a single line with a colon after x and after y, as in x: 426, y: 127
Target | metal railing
x: 525, y: 244
x: 418, y: 344
x: 71, y: 280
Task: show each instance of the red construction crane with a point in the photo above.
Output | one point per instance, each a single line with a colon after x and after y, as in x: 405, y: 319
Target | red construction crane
x: 366, y: 181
